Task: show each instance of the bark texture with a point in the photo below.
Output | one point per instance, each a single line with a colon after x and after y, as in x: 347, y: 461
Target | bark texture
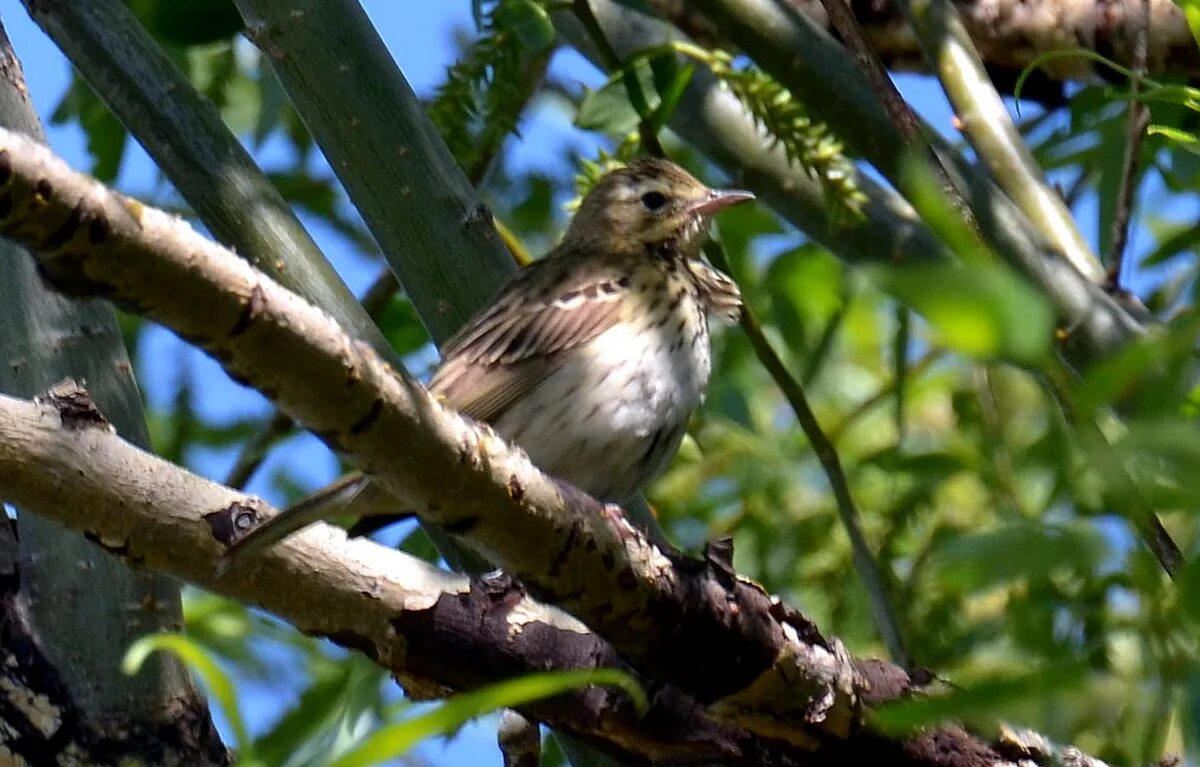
x: 436, y: 631
x: 1009, y: 35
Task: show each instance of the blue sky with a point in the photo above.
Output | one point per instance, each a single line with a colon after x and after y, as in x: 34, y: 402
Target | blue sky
x: 419, y: 35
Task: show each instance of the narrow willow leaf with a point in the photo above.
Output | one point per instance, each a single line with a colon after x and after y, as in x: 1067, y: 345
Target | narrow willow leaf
x: 395, y: 740
x: 204, y: 666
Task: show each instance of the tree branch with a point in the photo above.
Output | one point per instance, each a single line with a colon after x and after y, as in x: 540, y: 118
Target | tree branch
x: 432, y: 629
x: 1135, y: 132
x: 1008, y: 33
x: 989, y: 128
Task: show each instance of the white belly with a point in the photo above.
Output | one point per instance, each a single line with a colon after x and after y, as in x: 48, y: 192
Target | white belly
x: 611, y: 419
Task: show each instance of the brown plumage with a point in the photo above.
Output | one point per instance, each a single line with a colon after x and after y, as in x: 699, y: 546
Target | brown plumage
x: 593, y: 358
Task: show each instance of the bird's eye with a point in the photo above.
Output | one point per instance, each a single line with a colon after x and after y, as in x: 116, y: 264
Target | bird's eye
x: 654, y: 200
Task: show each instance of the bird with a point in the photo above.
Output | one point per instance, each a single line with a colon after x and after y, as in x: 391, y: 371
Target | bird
x: 592, y: 358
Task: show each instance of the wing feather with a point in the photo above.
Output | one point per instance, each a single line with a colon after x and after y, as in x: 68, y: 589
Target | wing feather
x: 550, y: 307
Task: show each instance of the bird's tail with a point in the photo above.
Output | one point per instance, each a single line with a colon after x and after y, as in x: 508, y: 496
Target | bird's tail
x: 334, y: 499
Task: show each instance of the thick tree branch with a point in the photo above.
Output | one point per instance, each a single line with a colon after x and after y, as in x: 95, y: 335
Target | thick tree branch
x: 434, y: 630
x: 1008, y: 33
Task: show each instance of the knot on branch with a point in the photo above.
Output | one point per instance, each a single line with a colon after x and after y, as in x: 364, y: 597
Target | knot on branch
x: 229, y: 524
x: 74, y: 406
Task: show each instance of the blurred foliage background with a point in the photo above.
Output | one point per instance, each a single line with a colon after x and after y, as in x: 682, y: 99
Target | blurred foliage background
x: 996, y: 499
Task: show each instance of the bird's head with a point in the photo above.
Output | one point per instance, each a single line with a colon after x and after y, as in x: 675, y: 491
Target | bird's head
x: 649, y: 205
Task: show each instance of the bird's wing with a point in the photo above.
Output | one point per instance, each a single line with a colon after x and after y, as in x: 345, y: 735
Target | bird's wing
x: 547, y: 309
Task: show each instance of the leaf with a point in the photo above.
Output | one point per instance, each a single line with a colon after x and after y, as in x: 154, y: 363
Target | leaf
x: 1191, y: 11
x: 402, y: 327
x: 980, y: 701
x: 607, y: 109
x: 657, y: 79
x: 202, y: 664
x: 930, y: 465
x: 984, y: 310
x: 1190, y: 715
x: 1160, y: 458
x: 335, y: 697
x: 1024, y: 550
x: 1185, y: 140
x: 1147, y: 376
x: 395, y: 740
x: 528, y: 21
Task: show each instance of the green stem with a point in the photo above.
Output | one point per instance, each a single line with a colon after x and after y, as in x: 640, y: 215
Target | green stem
x: 433, y: 228
x: 991, y: 131
x: 864, y: 560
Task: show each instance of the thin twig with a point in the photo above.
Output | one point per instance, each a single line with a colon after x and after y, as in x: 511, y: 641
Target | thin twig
x: 900, y: 363
x: 1143, y: 518
x: 613, y: 63
x: 897, y: 108
x: 1074, y: 192
x: 1139, y: 118
x: 864, y: 560
x: 254, y: 452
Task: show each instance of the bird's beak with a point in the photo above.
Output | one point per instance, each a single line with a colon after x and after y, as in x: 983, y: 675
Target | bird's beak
x: 717, y: 200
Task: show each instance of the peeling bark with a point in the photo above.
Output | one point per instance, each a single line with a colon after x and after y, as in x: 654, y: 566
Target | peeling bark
x: 42, y: 724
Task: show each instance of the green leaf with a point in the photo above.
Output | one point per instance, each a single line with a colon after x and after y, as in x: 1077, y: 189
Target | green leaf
x: 202, y: 664
x: 395, y: 740
x: 607, y: 109
x: 1191, y: 12
x: 1190, y: 715
x: 339, y: 696
x: 106, y: 136
x: 528, y: 21
x: 657, y: 79
x: 1185, y: 140
x: 1025, y: 550
x: 984, y: 310
x: 1147, y: 376
x: 981, y: 701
